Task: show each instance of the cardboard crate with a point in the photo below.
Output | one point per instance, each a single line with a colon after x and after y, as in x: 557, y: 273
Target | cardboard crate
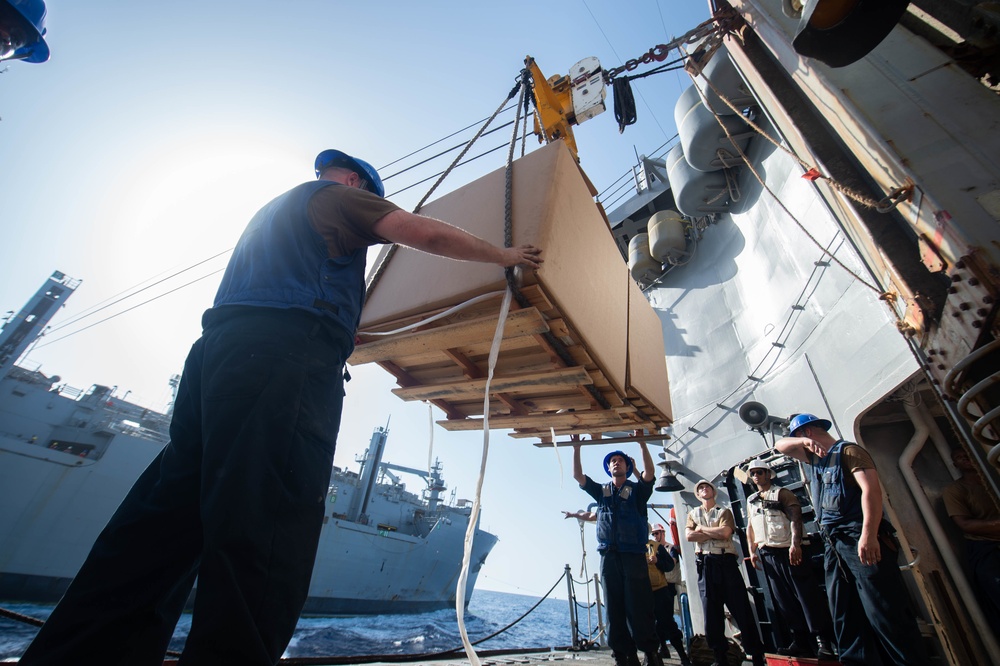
x: 587, y: 346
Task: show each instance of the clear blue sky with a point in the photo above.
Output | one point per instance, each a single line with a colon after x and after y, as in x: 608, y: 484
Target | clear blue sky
x: 156, y: 130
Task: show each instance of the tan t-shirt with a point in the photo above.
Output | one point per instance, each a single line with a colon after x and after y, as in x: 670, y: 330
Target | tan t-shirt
x: 854, y: 458
x: 717, y: 516
x: 970, y: 501
x: 344, y: 217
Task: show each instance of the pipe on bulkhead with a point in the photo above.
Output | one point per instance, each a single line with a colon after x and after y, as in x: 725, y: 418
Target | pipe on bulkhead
x: 940, y: 537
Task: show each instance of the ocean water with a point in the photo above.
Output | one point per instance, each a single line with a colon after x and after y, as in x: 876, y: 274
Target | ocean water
x: 547, y: 626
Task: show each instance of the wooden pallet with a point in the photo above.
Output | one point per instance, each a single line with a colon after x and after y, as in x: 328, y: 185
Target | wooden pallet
x: 545, y: 380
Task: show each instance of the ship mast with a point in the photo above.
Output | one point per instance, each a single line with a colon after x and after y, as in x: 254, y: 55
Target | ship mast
x: 28, y: 325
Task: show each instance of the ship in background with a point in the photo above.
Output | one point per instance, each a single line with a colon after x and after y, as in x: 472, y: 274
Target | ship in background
x: 849, y: 267
x: 68, y: 457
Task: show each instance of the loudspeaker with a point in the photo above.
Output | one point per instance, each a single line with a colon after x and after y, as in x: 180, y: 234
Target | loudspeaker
x: 839, y: 32
x: 754, y: 414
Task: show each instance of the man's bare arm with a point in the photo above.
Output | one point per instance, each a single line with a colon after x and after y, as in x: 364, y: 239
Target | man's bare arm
x: 578, y: 474
x: 980, y: 527
x: 649, y: 470
x: 869, y: 551
x: 793, y: 447
x: 436, y: 237
x: 588, y: 516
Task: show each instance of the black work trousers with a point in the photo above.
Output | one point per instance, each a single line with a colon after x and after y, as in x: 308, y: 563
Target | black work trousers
x: 798, y: 595
x: 722, y: 586
x: 236, y: 498
x: 666, y: 625
x: 629, y: 601
x: 869, y: 604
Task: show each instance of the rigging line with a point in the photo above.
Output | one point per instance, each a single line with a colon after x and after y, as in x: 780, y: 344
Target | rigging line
x: 137, y: 305
x: 434, y: 143
x: 491, y: 367
x: 442, y: 153
x: 380, y: 269
x: 471, y: 159
x: 500, y: 631
x: 671, y: 66
x: 860, y: 198
x: 601, y: 29
x: 843, y: 189
x: 92, y: 311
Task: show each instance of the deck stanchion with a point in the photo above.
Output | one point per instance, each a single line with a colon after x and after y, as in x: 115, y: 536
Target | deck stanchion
x: 574, y: 621
x: 603, y: 638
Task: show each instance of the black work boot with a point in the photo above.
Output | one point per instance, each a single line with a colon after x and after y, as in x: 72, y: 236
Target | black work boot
x: 664, y: 651
x: 621, y: 659
x: 795, y: 649
x: 823, y: 649
x: 652, y: 658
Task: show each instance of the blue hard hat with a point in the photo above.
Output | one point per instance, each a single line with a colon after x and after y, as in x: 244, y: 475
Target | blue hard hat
x: 30, y: 15
x: 331, y: 157
x: 628, y: 463
x: 801, y: 420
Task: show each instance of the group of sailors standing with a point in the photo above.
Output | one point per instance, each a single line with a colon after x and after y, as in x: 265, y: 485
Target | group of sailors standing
x: 865, y: 617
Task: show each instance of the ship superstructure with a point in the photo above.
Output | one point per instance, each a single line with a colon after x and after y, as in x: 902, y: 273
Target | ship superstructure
x: 847, y: 267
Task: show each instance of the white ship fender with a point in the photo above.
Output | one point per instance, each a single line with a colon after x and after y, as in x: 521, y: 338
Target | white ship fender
x: 641, y: 263
x: 696, y: 193
x: 709, y: 141
x: 667, y: 243
x: 725, y: 79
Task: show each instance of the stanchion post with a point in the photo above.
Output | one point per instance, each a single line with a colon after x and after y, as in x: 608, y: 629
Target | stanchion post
x: 574, y: 623
x: 603, y: 637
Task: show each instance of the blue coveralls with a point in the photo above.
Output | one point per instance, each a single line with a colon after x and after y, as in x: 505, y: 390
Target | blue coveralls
x: 866, y: 601
x: 621, y: 540
x: 237, y: 496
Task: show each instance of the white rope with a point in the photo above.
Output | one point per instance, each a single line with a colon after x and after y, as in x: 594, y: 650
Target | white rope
x: 430, y: 437
x: 555, y: 448
x: 440, y: 315
x: 470, y: 531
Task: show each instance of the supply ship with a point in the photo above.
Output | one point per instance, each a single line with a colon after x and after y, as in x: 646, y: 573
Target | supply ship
x: 68, y: 457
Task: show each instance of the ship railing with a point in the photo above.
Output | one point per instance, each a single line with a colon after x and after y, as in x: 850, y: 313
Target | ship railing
x: 595, y: 634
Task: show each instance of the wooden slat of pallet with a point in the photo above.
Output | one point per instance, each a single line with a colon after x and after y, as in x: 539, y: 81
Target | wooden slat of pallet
x: 546, y: 442
x: 530, y: 382
x: 477, y: 351
x: 599, y: 420
x: 522, y: 322
x: 534, y: 390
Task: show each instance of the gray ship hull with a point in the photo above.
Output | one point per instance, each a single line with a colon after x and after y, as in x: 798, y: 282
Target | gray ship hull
x: 55, y: 503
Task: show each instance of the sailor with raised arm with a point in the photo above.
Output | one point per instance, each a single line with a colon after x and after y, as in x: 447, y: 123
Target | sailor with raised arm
x: 868, y: 599
x: 621, y: 540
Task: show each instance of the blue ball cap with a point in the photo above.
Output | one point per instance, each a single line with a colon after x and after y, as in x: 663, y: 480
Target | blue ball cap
x: 628, y: 463
x: 802, y: 420
x: 331, y: 157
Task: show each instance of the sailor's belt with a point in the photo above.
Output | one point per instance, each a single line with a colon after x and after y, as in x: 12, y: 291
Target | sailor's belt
x: 714, y: 551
